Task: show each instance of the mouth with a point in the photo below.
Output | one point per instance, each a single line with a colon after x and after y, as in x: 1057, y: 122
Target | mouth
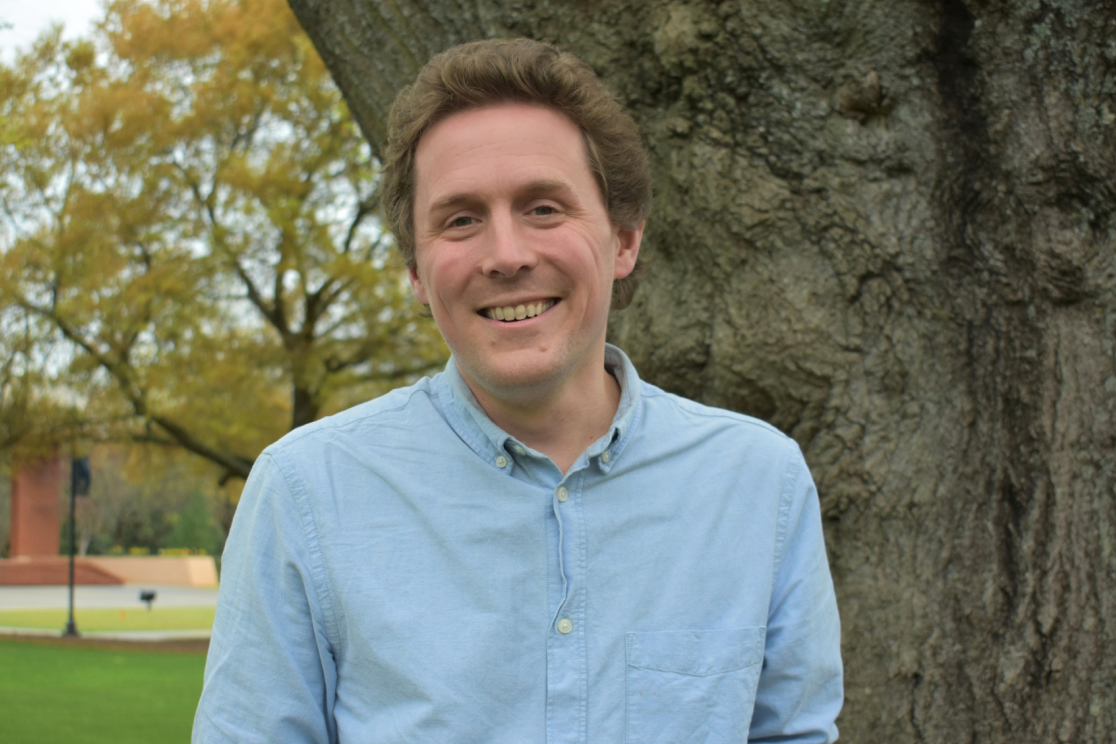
x: 516, y: 313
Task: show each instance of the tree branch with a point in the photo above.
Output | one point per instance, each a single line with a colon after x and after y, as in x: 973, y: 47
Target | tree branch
x: 381, y: 376
x: 235, y: 464
x: 269, y: 312
x: 366, y: 208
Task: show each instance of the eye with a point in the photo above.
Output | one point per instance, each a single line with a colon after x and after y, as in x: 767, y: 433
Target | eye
x: 462, y: 222
x: 543, y: 210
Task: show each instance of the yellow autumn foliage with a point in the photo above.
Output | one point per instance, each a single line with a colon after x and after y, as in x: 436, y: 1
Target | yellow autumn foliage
x: 191, y: 252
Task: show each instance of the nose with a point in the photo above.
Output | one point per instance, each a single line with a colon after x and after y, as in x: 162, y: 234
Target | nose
x: 506, y: 248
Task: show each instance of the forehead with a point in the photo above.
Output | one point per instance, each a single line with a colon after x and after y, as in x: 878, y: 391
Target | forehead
x: 494, y: 147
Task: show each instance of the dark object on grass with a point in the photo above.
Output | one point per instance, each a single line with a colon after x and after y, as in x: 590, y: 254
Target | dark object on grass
x: 148, y: 596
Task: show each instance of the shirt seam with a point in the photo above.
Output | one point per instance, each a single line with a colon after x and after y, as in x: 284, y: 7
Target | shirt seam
x: 584, y: 606
x: 790, y: 480
x: 309, y: 524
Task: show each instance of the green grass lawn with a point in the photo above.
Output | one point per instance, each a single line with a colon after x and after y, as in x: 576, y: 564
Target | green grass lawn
x: 68, y: 694
x: 159, y: 618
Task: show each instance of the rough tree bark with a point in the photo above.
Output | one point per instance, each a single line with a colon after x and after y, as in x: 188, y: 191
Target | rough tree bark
x: 888, y: 228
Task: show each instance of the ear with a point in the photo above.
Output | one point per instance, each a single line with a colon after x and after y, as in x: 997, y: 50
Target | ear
x: 416, y: 284
x: 627, y: 250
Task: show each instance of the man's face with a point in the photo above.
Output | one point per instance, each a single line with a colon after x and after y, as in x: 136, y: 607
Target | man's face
x: 508, y: 215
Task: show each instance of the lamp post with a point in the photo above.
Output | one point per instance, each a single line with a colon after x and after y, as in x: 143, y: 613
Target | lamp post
x: 80, y: 477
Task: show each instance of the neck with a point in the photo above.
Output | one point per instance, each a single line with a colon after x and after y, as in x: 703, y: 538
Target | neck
x: 560, y: 422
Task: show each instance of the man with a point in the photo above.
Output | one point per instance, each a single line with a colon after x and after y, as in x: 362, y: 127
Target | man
x: 534, y: 545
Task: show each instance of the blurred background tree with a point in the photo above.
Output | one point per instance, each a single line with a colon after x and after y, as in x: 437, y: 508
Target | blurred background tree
x: 191, y: 254
x: 148, y: 500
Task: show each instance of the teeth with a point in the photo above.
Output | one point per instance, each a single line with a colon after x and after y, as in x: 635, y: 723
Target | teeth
x: 519, y: 312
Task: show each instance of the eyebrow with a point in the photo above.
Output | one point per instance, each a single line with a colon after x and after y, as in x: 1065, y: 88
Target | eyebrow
x: 533, y: 188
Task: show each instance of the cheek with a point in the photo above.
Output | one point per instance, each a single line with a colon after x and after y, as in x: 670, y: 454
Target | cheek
x: 446, y: 283
x: 587, y: 258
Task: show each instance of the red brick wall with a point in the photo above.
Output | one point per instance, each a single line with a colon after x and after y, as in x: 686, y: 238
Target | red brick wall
x: 36, y: 508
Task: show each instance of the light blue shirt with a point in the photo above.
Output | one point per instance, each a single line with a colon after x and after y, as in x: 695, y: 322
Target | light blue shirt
x: 406, y: 571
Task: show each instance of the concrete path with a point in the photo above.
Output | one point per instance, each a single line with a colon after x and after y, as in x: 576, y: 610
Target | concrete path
x: 132, y: 636
x: 138, y: 636
x: 126, y: 596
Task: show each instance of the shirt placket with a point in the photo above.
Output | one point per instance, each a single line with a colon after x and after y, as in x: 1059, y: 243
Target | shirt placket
x: 566, y: 674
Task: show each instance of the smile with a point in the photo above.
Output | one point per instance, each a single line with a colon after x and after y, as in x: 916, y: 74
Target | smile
x: 510, y: 314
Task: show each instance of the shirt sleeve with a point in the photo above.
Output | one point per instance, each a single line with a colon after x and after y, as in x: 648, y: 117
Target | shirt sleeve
x: 800, y: 689
x: 270, y: 675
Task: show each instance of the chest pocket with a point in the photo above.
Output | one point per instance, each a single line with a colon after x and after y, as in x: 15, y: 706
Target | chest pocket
x: 692, y: 685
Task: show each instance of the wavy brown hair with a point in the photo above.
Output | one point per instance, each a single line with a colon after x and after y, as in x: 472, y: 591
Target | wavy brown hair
x: 484, y: 73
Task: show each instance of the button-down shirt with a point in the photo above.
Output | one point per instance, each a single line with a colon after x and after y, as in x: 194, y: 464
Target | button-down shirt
x: 406, y: 571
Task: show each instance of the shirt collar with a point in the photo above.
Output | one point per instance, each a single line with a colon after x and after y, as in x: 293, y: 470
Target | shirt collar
x: 492, y: 443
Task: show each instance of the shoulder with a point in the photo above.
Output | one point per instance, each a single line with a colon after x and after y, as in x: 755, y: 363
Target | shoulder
x: 672, y: 413
x: 378, y: 421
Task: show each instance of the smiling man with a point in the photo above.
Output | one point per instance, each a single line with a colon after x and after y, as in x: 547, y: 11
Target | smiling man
x: 516, y: 257
x: 534, y: 545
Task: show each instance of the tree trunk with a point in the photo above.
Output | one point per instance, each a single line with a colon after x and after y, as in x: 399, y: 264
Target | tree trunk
x: 887, y: 228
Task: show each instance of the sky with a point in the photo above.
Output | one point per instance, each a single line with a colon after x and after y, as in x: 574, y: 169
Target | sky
x: 29, y: 18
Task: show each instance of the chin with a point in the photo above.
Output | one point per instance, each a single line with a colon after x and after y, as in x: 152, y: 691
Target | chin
x: 513, y: 379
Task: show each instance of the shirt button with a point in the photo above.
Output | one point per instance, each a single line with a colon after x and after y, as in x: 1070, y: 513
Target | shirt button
x: 518, y: 450
x: 605, y: 456
x: 565, y: 625
x: 563, y: 494
x: 501, y: 462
